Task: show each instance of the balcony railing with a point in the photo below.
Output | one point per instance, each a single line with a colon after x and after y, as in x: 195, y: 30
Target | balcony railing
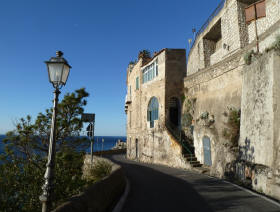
x: 127, y: 99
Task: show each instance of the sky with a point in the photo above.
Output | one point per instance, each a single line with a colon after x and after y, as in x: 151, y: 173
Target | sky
x: 98, y: 38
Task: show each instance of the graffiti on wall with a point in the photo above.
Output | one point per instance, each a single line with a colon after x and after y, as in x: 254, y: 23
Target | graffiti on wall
x: 247, y: 151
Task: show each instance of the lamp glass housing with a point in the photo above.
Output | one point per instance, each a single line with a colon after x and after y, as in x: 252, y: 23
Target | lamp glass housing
x: 58, y: 71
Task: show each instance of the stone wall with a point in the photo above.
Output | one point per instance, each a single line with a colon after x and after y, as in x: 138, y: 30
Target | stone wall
x: 215, y: 90
x: 257, y: 112
x: 243, y: 28
x: 222, y: 86
x: 175, y: 73
x: 216, y: 57
x: 236, y: 34
x: 233, y: 32
x: 101, y: 196
x: 230, y: 28
x: 260, y: 122
x: 209, y: 47
x: 160, y: 147
x: 196, y: 60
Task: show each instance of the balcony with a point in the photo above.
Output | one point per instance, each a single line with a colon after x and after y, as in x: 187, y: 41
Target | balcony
x: 127, y: 99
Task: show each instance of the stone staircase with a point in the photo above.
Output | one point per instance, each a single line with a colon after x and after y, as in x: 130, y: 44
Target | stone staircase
x: 196, y: 165
x: 187, y: 150
x: 192, y: 160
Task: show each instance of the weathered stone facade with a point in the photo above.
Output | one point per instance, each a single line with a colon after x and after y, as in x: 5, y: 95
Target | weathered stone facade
x: 222, y: 84
x: 144, y: 142
x: 259, y: 133
x: 218, y: 91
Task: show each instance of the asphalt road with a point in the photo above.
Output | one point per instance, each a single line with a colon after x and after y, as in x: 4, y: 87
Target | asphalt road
x: 156, y: 188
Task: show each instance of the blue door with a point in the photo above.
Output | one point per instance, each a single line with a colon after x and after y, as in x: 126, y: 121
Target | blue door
x: 207, y: 151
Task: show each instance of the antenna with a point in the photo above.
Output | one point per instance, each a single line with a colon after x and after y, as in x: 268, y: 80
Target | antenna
x: 194, y: 33
x: 190, y: 42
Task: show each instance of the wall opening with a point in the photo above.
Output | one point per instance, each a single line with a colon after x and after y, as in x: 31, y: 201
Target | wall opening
x: 174, y: 112
x: 136, y: 148
x: 212, y: 42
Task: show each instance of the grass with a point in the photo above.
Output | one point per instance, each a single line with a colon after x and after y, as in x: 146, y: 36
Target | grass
x: 99, y: 170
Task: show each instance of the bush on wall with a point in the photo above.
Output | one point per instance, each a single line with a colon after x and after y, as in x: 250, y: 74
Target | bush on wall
x: 232, y: 130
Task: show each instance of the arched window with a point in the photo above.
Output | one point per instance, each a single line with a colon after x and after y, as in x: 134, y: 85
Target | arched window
x: 152, y: 113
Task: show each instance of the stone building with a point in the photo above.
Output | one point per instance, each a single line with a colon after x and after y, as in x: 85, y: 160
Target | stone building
x: 220, y: 88
x: 228, y: 101
x: 153, y: 103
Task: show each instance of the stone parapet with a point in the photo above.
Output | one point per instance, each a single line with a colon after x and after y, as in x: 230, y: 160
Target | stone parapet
x: 101, y: 196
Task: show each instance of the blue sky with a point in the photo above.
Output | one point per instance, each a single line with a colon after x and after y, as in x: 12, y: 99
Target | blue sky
x: 98, y: 39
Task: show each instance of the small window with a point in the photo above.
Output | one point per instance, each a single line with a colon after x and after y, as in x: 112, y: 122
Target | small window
x: 137, y: 83
x: 156, y: 68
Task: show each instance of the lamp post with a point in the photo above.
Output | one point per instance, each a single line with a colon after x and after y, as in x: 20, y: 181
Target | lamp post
x: 58, y: 71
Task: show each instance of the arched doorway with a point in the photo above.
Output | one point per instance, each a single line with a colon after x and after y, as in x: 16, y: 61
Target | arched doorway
x: 207, y: 151
x: 174, y: 111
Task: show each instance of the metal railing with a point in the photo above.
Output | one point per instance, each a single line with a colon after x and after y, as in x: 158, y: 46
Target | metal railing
x: 205, y: 25
x: 177, y: 133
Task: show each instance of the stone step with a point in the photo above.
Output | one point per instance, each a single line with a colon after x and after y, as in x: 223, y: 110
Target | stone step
x: 191, y: 158
x: 196, y: 165
x: 188, y: 155
x: 194, y: 162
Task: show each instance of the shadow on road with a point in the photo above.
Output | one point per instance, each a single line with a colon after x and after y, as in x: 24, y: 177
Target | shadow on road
x: 155, y: 188
x: 151, y: 190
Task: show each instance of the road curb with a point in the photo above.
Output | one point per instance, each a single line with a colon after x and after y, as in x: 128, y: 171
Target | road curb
x: 254, y: 193
x: 123, y: 198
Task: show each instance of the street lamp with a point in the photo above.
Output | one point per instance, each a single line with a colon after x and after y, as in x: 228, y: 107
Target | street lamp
x: 58, y: 71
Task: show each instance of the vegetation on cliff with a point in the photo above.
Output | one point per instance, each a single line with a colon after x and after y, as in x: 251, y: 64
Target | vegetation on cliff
x: 23, y: 163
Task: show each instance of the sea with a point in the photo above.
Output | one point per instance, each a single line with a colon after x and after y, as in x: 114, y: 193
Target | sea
x: 100, y: 142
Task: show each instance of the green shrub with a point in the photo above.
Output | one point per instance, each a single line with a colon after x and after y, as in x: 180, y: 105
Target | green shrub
x: 233, y: 126
x: 248, y: 57
x: 187, y: 120
x: 204, y: 115
x: 99, y: 170
x: 275, y: 45
x: 183, y: 98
